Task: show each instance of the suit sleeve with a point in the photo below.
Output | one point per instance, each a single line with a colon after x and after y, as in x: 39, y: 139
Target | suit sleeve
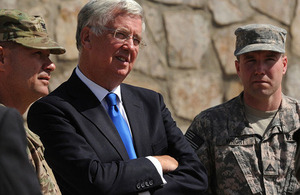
x: 17, y: 174
x: 76, y: 165
x: 190, y: 176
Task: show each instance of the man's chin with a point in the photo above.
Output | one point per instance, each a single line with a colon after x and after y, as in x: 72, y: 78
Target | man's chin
x: 263, y: 93
x: 42, y: 93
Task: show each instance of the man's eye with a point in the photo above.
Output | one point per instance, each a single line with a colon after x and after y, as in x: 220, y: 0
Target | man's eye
x: 39, y: 53
x: 120, y: 35
x: 271, y: 59
x: 250, y: 61
x: 136, y: 41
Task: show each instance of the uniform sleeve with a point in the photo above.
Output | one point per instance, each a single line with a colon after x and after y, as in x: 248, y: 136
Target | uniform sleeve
x: 198, y: 135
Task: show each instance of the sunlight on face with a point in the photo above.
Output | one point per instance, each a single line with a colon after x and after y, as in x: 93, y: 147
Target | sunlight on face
x: 28, y: 72
x: 112, y: 55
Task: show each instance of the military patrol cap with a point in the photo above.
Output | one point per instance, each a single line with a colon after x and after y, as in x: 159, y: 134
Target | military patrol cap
x: 255, y: 37
x: 29, y: 31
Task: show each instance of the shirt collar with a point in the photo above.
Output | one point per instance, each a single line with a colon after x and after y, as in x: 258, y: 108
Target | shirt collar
x: 97, y: 90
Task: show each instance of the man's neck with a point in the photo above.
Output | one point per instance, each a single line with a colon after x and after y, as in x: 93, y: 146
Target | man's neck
x: 102, y: 80
x: 263, y: 103
x: 19, y: 105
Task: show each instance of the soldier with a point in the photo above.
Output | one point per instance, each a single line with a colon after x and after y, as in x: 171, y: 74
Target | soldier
x: 247, y: 143
x: 25, y: 69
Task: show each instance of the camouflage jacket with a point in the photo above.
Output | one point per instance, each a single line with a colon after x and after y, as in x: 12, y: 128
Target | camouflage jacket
x: 35, y: 151
x: 237, y: 160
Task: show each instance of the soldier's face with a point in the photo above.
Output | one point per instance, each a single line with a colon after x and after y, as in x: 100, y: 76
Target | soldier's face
x: 261, y: 72
x: 27, y: 72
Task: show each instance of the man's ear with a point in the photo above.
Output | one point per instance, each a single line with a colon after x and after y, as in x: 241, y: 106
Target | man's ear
x: 85, y: 37
x: 284, y: 62
x: 237, y: 67
x: 1, y: 58
x: 1, y: 54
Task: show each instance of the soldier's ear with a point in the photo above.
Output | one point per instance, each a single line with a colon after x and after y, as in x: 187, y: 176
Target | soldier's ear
x: 1, y: 54
x: 284, y: 62
x: 1, y: 58
x: 237, y: 67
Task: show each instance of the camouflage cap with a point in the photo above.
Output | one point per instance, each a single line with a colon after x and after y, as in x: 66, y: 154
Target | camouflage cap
x: 254, y: 37
x: 29, y: 31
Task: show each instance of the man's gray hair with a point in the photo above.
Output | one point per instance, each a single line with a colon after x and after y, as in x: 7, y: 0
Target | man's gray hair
x: 97, y: 13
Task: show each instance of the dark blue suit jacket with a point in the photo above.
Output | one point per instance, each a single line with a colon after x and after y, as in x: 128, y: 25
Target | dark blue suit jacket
x: 86, y: 152
x: 17, y: 175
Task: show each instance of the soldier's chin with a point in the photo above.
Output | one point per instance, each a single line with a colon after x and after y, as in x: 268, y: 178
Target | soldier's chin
x: 42, y: 92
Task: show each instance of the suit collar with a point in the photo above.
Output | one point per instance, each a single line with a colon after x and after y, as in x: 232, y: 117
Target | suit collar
x: 97, y: 90
x: 134, y: 108
x: 93, y: 110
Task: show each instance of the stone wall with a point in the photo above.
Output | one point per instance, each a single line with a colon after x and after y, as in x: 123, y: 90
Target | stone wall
x: 190, y: 43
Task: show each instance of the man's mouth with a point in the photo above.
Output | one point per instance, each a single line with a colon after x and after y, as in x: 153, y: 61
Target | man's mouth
x: 122, y: 59
x: 259, y: 81
x: 47, y: 78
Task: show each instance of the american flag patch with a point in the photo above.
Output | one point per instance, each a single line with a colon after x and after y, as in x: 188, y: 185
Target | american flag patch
x: 195, y: 140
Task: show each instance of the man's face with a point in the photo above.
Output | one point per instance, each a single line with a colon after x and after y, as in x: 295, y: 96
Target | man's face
x: 261, y: 72
x: 111, y: 59
x: 27, y: 71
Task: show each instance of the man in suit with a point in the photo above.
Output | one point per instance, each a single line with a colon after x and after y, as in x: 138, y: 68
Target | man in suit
x: 16, y: 173
x: 84, y: 146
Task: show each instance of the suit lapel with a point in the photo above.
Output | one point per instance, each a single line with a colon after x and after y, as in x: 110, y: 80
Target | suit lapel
x: 93, y: 110
x: 136, y: 117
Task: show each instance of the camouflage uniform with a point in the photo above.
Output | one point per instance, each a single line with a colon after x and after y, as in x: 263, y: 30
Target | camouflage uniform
x: 239, y: 161
x: 35, y: 151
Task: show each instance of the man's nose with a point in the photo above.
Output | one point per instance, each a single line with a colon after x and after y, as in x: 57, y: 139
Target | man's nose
x: 259, y: 67
x: 50, y: 66
x: 129, y: 42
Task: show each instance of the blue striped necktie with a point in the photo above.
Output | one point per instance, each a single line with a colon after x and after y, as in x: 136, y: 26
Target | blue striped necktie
x: 120, y: 124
